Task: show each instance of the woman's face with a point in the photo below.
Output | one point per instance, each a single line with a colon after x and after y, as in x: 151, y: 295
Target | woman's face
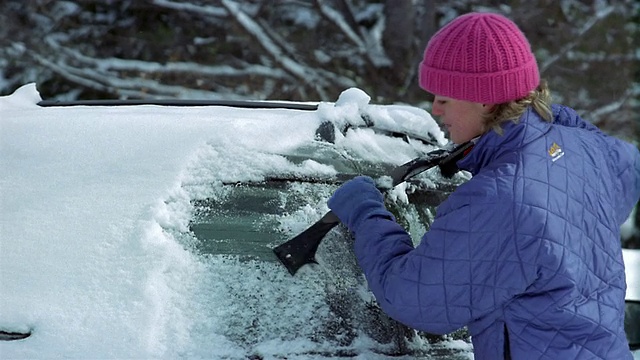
x: 462, y: 119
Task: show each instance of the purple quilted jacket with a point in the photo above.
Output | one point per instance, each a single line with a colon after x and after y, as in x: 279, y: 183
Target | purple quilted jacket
x: 526, y: 253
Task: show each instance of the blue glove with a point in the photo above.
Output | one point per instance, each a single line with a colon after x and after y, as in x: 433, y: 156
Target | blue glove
x: 356, y: 200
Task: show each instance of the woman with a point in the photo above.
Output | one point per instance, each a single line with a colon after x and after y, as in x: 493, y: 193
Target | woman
x: 527, y: 253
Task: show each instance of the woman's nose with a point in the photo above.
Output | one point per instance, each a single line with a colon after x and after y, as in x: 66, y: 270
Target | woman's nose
x: 436, y: 109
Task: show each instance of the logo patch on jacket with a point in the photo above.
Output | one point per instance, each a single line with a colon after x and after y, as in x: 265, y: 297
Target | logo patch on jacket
x: 555, y: 151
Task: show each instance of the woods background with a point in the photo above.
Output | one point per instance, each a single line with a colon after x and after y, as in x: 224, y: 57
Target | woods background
x: 306, y: 50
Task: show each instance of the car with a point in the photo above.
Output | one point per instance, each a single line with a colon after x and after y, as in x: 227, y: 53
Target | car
x: 632, y: 300
x: 155, y: 222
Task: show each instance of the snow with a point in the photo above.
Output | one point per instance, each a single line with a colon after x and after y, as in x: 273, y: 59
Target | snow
x: 95, y: 257
x: 628, y: 228
x: 94, y: 200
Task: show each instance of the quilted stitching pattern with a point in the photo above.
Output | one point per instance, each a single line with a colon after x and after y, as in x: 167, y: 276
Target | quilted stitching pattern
x: 532, y: 240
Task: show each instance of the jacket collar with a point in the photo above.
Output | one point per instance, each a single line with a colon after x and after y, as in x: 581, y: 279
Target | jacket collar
x: 492, y: 145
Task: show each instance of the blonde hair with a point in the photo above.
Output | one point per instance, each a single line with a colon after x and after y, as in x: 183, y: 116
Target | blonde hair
x: 539, y: 99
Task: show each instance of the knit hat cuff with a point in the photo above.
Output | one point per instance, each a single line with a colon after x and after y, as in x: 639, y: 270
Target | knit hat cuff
x: 487, y: 88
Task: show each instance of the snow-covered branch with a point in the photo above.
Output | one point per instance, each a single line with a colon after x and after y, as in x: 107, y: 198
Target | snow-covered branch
x: 600, y: 57
x: 170, y: 67
x: 128, y: 87
x: 283, y: 56
x: 337, y: 19
x: 95, y: 74
x: 275, y: 51
x: 579, y: 37
x: 297, y: 69
x: 597, y: 114
x: 183, y: 6
x: 375, y: 48
x: 369, y: 43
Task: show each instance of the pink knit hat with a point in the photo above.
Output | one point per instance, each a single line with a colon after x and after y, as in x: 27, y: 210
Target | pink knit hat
x: 479, y: 57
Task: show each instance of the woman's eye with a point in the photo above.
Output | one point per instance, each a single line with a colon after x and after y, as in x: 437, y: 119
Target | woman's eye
x: 441, y: 102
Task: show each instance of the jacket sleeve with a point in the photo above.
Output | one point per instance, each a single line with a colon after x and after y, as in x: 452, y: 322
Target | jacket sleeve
x: 466, y: 266
x: 626, y: 158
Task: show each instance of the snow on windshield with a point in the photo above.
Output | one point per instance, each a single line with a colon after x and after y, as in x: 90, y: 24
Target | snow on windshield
x: 94, y: 198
